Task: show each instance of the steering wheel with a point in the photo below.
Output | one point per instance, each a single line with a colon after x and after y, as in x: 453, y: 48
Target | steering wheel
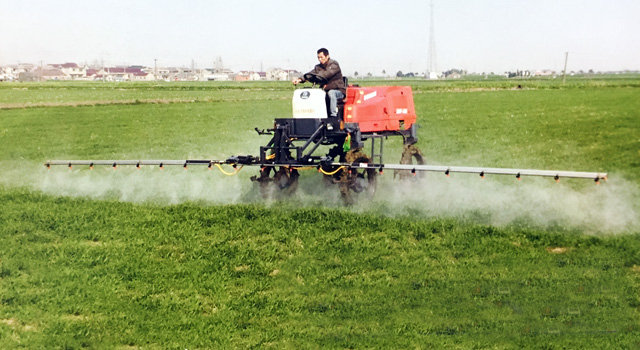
x: 315, y: 79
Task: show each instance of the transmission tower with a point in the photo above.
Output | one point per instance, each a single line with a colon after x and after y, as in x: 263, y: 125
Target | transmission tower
x: 431, y: 64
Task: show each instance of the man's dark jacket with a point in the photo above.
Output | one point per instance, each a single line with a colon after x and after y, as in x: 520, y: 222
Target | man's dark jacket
x: 331, y: 71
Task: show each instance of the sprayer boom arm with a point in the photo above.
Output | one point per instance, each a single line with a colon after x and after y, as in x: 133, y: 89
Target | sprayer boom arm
x: 249, y: 160
x: 485, y: 171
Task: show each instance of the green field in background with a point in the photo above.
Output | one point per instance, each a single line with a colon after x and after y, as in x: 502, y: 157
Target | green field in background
x: 19, y: 94
x: 79, y: 272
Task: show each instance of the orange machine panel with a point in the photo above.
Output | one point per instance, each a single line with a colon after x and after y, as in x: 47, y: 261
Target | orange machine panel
x: 380, y: 108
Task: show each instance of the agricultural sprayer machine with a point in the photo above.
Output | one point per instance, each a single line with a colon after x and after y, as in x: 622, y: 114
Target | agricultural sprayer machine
x: 367, y: 114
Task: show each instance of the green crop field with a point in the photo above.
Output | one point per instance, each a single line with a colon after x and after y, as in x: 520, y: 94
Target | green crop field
x: 171, y: 258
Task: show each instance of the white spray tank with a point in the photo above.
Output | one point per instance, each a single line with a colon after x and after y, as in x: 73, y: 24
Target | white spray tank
x: 309, y: 103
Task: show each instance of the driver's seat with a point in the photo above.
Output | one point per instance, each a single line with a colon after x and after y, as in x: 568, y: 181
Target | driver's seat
x: 340, y: 102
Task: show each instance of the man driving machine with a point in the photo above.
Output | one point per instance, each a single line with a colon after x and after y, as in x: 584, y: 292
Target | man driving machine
x: 328, y: 69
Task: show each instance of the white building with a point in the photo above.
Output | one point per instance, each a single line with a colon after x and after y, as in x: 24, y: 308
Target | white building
x: 257, y: 76
x: 282, y: 74
x: 72, y: 70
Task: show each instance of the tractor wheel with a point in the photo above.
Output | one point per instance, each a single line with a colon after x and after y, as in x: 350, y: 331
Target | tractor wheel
x: 283, y: 182
x: 356, y: 181
x: 410, y: 153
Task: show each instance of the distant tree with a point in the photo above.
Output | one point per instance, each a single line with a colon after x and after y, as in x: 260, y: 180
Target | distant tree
x: 355, y: 74
x: 384, y: 72
x: 369, y: 75
x: 399, y: 74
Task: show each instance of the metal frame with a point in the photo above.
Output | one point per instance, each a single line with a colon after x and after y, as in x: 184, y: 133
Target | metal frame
x: 252, y: 161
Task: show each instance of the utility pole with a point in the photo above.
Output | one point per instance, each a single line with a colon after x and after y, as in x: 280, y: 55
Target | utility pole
x: 155, y: 68
x: 564, y: 71
x: 431, y: 70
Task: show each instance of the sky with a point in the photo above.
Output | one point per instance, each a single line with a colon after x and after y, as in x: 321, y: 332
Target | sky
x: 367, y: 36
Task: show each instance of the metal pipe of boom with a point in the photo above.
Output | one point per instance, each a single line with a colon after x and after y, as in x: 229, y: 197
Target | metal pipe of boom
x: 479, y: 170
x: 254, y: 161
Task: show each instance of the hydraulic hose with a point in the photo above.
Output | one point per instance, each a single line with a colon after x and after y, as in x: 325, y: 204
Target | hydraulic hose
x: 229, y: 173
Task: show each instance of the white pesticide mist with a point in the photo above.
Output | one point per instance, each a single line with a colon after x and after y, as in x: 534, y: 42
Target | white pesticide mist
x: 170, y: 185
x: 611, y: 207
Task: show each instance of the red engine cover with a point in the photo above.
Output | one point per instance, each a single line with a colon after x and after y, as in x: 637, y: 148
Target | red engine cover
x: 380, y: 108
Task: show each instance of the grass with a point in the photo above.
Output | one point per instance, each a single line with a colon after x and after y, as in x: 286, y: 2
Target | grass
x: 13, y: 95
x: 20, y: 95
x: 580, y: 128
x: 79, y: 272
x: 89, y: 273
